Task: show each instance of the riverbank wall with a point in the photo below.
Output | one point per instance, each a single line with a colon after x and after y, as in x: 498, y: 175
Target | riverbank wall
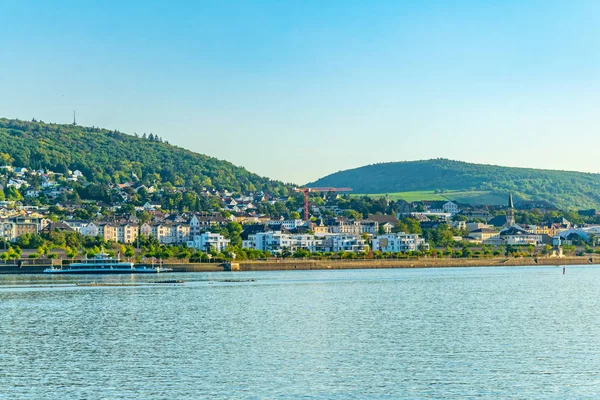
x: 414, y: 263
x: 291, y: 264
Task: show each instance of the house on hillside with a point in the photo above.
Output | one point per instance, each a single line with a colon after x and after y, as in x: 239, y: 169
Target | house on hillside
x: 20, y: 171
x: 57, y: 226
x: 483, y: 234
x: 533, y: 204
x: 31, y: 192
x: 477, y: 214
x: 516, y: 236
x: 386, y: 221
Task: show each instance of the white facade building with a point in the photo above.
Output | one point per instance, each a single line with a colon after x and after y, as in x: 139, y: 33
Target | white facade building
x: 399, y: 242
x: 75, y: 224
x: 288, y: 224
x: 344, y: 242
x: 90, y: 229
x: 451, y: 208
x: 209, y: 241
x: 275, y: 242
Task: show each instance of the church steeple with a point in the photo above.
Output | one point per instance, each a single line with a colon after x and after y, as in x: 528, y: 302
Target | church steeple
x: 510, y: 213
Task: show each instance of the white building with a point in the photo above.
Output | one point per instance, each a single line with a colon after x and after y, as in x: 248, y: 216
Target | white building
x: 451, y: 208
x: 368, y: 226
x: 209, y: 241
x: 276, y: 241
x: 346, y: 227
x: 203, y: 222
x: 90, y: 229
x: 16, y: 183
x: 514, y: 236
x: 344, y: 242
x: 399, y: 242
x: 151, y: 207
x: 76, y: 224
x: 288, y: 224
x: 31, y: 192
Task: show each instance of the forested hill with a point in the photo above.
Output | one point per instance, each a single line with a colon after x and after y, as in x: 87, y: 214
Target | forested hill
x: 562, y: 188
x: 105, y: 156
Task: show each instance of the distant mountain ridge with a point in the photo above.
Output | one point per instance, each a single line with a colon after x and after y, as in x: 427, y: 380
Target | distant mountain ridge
x: 106, y: 156
x: 564, y: 189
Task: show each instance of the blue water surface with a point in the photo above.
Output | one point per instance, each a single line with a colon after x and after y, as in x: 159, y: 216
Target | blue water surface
x: 452, y: 333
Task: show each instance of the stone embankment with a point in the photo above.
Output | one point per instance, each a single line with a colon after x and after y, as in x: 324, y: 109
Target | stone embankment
x: 283, y: 265
x: 414, y: 263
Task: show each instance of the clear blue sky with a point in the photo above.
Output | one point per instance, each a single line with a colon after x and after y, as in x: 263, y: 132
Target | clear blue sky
x: 295, y: 90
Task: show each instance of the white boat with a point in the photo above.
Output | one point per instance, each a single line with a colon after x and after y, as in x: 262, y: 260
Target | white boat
x: 103, y: 264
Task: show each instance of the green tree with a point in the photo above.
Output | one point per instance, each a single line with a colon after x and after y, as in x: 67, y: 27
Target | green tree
x: 71, y: 252
x: 12, y: 194
x: 233, y: 231
x: 5, y: 159
x: 129, y: 252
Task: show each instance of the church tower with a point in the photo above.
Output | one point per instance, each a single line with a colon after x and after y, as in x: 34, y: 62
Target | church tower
x: 510, y: 213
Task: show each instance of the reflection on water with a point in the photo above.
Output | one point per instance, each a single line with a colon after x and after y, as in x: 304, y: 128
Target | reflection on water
x: 428, y: 333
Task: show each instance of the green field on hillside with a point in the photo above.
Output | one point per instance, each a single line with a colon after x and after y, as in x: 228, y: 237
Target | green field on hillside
x: 478, y: 198
x: 465, y: 197
x: 417, y: 180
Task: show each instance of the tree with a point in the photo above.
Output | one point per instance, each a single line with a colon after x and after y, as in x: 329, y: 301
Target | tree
x: 129, y: 252
x: 5, y: 159
x: 408, y: 225
x: 352, y: 214
x: 144, y: 217
x: 71, y: 252
x: 233, y: 231
x: 302, y: 253
x: 12, y: 194
x: 183, y: 255
x: 285, y: 252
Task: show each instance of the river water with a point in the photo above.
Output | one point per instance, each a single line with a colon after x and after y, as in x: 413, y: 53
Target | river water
x: 453, y: 333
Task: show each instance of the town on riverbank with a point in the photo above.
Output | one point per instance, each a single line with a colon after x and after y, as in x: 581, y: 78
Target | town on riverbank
x: 43, y: 220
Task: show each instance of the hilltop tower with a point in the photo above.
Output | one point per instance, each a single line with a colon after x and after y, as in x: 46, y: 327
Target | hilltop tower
x: 510, y: 213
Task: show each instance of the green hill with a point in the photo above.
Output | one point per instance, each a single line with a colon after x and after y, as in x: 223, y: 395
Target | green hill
x: 105, y: 156
x: 564, y: 189
x: 479, y: 197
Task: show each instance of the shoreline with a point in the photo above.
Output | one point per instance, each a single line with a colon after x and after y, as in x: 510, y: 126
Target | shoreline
x: 291, y: 264
x: 412, y: 263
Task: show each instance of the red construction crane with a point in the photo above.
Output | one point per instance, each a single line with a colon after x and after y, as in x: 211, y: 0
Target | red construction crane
x: 306, y: 191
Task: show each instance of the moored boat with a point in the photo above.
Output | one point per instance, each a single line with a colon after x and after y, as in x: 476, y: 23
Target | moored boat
x: 103, y: 264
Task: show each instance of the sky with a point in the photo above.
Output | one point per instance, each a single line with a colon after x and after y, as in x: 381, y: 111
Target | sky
x: 296, y: 90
